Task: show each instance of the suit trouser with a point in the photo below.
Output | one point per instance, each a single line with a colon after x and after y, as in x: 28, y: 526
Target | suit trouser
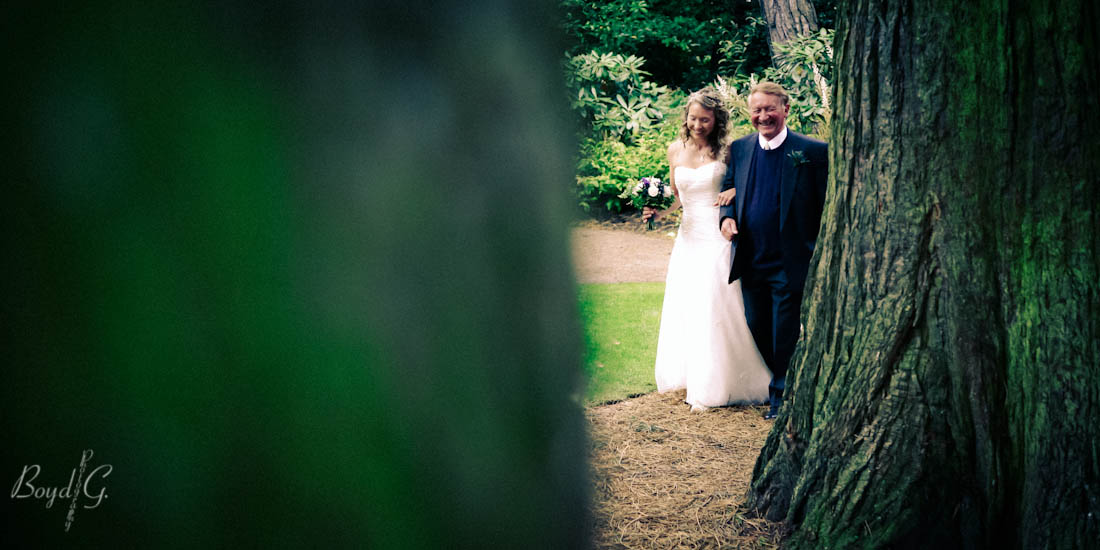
x: 772, y: 310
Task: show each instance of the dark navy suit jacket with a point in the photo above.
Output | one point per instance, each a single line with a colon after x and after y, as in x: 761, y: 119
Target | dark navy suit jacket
x: 801, y: 199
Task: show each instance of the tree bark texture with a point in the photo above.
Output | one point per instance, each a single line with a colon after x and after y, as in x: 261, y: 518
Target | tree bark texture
x: 947, y: 389
x: 788, y: 19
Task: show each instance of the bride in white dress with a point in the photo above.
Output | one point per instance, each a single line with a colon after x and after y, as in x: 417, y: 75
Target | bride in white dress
x: 704, y: 344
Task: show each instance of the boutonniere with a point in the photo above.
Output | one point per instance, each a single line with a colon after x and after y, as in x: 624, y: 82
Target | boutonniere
x: 798, y: 158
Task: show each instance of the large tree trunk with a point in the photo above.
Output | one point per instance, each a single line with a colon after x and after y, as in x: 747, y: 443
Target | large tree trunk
x: 948, y: 388
x: 788, y: 19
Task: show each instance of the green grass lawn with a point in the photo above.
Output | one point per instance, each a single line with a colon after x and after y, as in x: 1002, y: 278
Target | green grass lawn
x: 621, y: 322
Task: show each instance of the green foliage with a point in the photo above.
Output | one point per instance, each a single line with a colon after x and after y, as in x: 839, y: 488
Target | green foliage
x: 686, y: 42
x: 630, y: 115
x: 613, y: 25
x: 621, y: 322
x: 612, y: 96
x: 736, y: 52
x: 826, y: 13
x: 805, y: 69
x: 738, y: 105
x: 607, y: 167
x: 627, y: 149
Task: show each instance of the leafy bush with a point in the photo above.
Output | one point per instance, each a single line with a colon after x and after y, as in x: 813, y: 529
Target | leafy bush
x: 738, y: 106
x: 629, y: 120
x: 607, y: 167
x: 685, y: 42
x: 612, y: 96
x: 739, y: 48
x: 805, y: 68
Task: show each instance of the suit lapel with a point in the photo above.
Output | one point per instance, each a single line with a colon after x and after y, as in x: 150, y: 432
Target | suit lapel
x: 788, y: 177
x: 743, y: 159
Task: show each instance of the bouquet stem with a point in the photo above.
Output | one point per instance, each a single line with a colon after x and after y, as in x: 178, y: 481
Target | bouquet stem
x: 649, y: 224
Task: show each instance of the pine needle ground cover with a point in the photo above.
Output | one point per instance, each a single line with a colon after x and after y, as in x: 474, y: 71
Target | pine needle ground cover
x: 663, y: 477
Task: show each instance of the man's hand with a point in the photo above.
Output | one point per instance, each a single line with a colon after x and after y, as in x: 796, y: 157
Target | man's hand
x: 725, y: 197
x: 729, y: 228
x: 650, y: 212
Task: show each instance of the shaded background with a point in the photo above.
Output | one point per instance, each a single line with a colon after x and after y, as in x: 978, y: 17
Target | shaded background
x: 299, y: 275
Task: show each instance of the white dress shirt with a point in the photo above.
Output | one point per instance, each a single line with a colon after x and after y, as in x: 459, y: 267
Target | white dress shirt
x: 775, y: 142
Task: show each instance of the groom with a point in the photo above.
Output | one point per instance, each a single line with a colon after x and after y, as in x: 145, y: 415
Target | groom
x: 772, y: 225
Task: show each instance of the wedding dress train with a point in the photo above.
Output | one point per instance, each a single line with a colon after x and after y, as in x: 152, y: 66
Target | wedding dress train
x: 704, y: 343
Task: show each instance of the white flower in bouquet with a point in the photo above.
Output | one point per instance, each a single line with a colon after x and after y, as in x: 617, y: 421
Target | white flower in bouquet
x: 651, y: 192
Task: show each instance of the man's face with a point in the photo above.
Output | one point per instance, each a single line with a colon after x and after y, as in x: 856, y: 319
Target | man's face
x: 768, y: 114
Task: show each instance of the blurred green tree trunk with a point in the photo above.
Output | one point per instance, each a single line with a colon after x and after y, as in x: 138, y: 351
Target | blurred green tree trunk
x: 788, y: 19
x: 947, y: 390
x: 298, y: 272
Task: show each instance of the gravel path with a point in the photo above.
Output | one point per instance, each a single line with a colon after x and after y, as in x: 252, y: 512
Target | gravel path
x: 609, y: 254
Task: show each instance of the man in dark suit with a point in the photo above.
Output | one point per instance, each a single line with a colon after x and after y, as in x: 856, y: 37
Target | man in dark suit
x: 772, y: 225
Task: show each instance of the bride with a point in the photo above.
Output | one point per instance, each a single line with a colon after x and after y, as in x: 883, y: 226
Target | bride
x: 704, y: 344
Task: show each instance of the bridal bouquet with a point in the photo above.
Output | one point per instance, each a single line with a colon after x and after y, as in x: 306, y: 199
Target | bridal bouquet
x: 651, y: 192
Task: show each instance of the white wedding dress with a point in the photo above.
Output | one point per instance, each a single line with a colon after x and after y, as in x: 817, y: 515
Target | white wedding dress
x: 705, y: 344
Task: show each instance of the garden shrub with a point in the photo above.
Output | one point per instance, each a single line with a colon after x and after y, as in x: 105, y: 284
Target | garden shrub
x: 628, y: 121
x: 606, y: 167
x: 612, y: 96
x: 685, y: 43
x: 805, y: 69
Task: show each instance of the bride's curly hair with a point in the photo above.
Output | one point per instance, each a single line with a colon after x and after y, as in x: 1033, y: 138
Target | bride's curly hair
x: 710, y: 99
